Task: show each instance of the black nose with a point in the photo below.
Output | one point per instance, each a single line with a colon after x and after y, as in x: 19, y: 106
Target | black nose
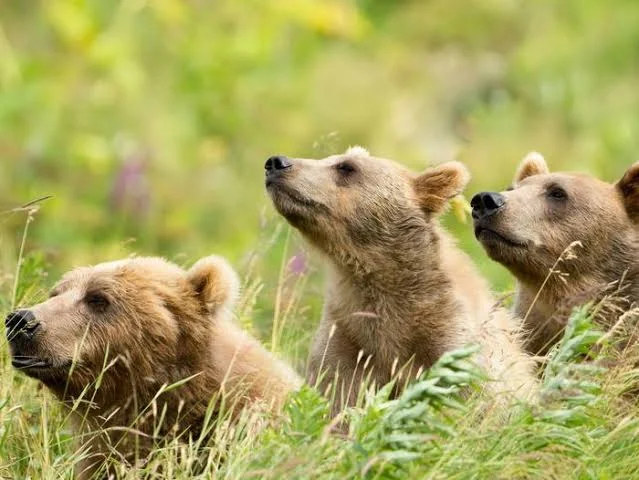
x: 485, y: 204
x: 21, y: 322
x: 277, y: 162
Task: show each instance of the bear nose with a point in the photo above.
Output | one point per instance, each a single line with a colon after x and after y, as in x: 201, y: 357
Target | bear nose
x: 485, y: 204
x: 277, y: 162
x: 21, y: 322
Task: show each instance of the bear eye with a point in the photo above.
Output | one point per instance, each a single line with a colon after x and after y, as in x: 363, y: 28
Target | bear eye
x: 97, y: 301
x: 556, y: 193
x: 345, y: 168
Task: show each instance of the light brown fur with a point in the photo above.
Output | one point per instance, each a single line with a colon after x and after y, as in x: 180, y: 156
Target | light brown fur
x: 398, y: 289
x: 154, y: 324
x: 535, y: 227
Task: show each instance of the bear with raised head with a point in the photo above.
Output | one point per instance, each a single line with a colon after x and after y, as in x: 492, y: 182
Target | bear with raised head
x: 112, y: 336
x: 568, y: 239
x: 399, y: 293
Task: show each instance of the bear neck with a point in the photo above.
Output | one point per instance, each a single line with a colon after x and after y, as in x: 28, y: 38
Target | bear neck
x: 402, y: 267
x: 130, y: 400
x: 119, y: 402
x: 136, y: 425
x: 611, y: 282
x: 231, y: 375
x: 402, y: 291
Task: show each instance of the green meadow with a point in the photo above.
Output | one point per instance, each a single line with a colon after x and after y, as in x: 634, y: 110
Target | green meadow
x: 142, y: 127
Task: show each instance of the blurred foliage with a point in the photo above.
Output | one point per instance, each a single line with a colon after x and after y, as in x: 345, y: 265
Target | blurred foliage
x: 149, y: 121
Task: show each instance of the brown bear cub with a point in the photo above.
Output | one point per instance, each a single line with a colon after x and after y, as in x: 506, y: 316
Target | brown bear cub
x: 568, y: 239
x: 399, y: 292
x: 111, y: 337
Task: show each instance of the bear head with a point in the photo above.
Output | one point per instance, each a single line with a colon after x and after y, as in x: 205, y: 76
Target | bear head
x: 130, y: 326
x: 359, y: 209
x: 532, y: 225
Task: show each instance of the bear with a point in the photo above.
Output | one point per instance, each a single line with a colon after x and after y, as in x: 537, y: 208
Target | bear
x: 399, y: 293
x: 134, y: 327
x: 568, y: 239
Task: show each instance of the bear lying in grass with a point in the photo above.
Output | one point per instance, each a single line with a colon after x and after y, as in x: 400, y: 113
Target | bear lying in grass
x: 568, y: 239
x: 399, y: 293
x: 114, y: 335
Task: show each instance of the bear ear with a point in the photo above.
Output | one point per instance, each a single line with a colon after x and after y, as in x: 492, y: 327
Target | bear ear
x: 628, y: 186
x: 215, y: 282
x: 437, y: 185
x: 532, y: 164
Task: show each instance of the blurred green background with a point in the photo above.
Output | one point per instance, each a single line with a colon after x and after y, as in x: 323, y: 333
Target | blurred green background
x: 149, y: 121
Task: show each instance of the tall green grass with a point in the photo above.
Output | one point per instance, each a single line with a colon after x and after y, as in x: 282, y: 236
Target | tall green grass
x: 583, y: 425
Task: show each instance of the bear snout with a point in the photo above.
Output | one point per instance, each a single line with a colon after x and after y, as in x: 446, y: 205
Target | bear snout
x: 275, y: 166
x: 486, y: 204
x: 277, y: 162
x: 21, y: 325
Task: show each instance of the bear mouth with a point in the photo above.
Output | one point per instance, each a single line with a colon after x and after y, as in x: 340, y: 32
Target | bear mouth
x: 36, y: 367
x: 488, y: 235
x: 285, y: 198
x: 30, y: 363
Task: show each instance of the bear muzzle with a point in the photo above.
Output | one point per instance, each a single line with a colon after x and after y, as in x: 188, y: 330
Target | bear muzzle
x: 22, y: 325
x: 486, y: 204
x: 21, y: 328
x: 277, y: 162
x: 275, y: 166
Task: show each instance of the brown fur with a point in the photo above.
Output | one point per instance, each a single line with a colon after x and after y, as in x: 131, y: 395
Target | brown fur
x: 535, y: 233
x: 398, y: 291
x: 153, y: 324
